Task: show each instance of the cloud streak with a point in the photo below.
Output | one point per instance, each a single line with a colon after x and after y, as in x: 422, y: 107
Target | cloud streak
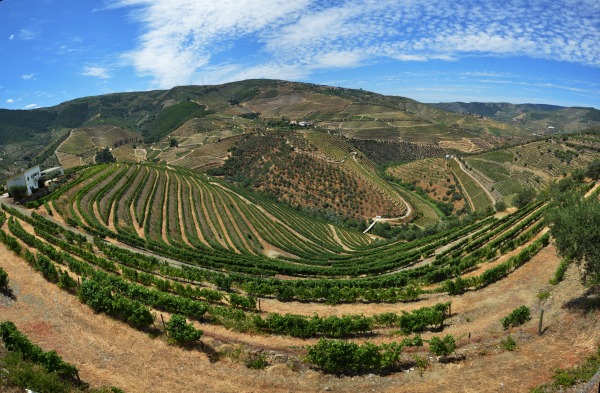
x: 98, y: 72
x: 184, y: 41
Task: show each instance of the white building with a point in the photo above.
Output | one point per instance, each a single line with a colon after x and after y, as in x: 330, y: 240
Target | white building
x: 51, y: 173
x: 29, y: 178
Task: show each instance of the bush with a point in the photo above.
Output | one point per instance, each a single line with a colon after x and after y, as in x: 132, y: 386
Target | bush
x: 182, y: 332
x: 339, y: 356
x: 442, y: 347
x: 508, y: 344
x: 500, y: 206
x: 17, y: 192
x: 257, y: 361
x: 517, y: 317
x: 560, y: 272
x: 3, y: 280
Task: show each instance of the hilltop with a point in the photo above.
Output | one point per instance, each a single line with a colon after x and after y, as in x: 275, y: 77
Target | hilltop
x: 198, y: 115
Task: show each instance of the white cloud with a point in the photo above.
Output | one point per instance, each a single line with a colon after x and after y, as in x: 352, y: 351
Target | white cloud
x: 31, y: 106
x: 184, y: 41
x: 26, y: 34
x: 11, y: 37
x: 10, y: 101
x: 28, y: 76
x: 98, y: 72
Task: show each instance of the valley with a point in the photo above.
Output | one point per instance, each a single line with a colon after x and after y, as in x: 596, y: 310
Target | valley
x: 319, y: 238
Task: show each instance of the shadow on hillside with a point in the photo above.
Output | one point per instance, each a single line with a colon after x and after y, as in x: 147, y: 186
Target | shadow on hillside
x: 588, y: 302
x: 8, y: 292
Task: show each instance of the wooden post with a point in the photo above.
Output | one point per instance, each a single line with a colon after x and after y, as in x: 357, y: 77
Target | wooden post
x: 469, y: 342
x: 259, y: 305
x: 541, y: 320
x: 164, y: 326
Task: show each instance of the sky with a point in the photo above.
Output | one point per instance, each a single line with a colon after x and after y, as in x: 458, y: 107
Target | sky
x: 518, y: 51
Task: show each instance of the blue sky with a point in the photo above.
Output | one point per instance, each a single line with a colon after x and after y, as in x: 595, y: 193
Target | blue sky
x: 511, y: 51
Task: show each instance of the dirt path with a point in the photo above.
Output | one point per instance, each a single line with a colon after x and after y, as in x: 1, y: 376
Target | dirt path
x: 193, y: 212
x: 336, y: 237
x: 180, y: 215
x: 592, y: 190
x: 211, y: 225
x: 163, y: 226
x: 462, y: 167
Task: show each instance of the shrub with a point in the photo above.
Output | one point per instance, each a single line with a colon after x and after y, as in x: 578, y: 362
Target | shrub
x: 500, y: 206
x: 182, y: 332
x: 560, y: 272
x: 508, y: 344
x: 17, y: 192
x: 257, y: 361
x: 442, y: 346
x: 517, y: 317
x: 339, y: 356
x: 3, y: 280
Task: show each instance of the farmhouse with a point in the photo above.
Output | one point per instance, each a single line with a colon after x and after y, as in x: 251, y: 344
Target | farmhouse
x: 51, y: 173
x: 28, y: 178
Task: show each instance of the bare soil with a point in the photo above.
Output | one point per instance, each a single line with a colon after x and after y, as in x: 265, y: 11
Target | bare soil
x: 108, y: 352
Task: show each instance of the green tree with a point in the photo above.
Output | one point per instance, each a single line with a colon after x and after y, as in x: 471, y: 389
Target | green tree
x: 593, y: 169
x: 105, y: 156
x: 576, y: 230
x: 578, y: 175
x: 182, y: 332
x: 17, y: 192
x: 174, y: 142
x: 523, y: 197
x: 500, y: 206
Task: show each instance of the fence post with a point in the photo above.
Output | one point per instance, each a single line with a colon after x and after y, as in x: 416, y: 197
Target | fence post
x: 541, y: 320
x: 164, y: 326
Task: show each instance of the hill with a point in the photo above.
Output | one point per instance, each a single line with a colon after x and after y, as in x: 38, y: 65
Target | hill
x: 540, y: 119
x: 202, y: 114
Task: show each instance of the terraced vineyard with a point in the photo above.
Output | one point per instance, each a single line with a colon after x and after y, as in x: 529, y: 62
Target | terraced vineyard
x: 337, y: 149
x: 531, y: 165
x: 478, y: 198
x: 434, y: 176
x: 151, y: 202
x: 207, y: 256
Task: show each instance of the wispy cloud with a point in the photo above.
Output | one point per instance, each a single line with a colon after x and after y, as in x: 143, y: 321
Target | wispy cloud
x: 11, y: 37
x: 183, y: 40
x: 98, y: 72
x: 31, y: 106
x: 28, y: 76
x: 10, y: 101
x: 26, y: 34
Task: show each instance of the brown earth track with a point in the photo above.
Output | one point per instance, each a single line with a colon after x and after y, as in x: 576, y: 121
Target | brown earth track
x: 207, y: 218
x: 180, y: 214
x: 193, y: 213
x: 224, y: 231
x: 165, y: 211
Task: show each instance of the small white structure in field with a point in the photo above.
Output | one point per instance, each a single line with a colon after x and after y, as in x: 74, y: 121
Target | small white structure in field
x: 28, y: 178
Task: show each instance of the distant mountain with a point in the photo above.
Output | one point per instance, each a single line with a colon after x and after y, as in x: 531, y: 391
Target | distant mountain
x: 532, y: 117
